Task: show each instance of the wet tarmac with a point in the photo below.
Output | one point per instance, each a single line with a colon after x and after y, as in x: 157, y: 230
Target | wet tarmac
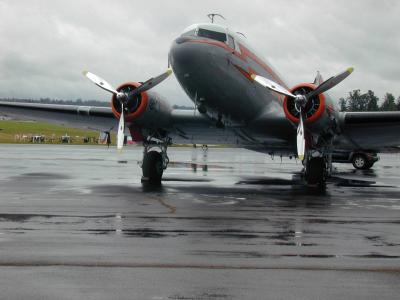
x: 76, y: 223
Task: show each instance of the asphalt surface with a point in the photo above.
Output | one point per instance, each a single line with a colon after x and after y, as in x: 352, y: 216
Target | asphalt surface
x: 76, y: 223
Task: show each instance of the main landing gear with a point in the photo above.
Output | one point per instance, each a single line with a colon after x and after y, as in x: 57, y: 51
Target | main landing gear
x: 317, y: 167
x: 155, y: 160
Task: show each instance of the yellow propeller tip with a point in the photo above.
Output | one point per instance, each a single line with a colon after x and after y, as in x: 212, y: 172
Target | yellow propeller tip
x: 85, y: 72
x: 253, y: 76
x: 169, y: 71
x: 301, y: 157
x: 350, y: 70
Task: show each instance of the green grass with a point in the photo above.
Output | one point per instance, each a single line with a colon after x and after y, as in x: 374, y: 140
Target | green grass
x: 9, y: 130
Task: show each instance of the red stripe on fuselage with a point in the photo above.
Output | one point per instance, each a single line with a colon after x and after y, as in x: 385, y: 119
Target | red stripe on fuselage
x: 243, y: 55
x: 246, y: 53
x: 245, y: 73
x: 248, y: 74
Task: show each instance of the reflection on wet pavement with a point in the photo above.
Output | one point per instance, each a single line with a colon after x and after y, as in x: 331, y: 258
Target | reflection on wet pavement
x: 235, y: 210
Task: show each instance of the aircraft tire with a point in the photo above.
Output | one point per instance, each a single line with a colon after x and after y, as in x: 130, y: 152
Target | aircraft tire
x: 315, y: 171
x: 152, y: 167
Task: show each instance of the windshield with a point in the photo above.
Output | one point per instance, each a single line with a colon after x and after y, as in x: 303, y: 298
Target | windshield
x: 219, y: 36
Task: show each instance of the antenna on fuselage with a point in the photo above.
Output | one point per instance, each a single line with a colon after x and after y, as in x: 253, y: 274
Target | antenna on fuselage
x: 241, y: 34
x: 212, y: 16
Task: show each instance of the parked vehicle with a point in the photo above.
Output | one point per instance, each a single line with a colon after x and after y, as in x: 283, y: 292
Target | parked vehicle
x: 362, y: 160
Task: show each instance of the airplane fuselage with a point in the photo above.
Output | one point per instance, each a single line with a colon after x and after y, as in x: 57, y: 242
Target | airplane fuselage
x: 213, y: 65
x: 216, y: 74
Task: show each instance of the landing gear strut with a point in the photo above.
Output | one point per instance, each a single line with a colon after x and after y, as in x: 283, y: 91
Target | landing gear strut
x: 155, y: 159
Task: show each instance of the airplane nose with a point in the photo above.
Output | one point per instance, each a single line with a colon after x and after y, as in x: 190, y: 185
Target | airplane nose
x: 178, y: 54
x: 198, y: 66
x: 187, y: 57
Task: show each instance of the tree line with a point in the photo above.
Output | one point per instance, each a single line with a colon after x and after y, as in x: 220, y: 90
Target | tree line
x: 357, y: 101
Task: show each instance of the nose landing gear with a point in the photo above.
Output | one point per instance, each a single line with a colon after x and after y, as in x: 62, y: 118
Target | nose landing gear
x: 155, y: 159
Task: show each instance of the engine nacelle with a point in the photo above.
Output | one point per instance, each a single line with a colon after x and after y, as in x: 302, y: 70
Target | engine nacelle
x: 146, y: 109
x: 318, y: 111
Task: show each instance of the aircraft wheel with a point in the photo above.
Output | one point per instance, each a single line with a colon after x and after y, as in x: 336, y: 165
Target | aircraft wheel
x: 315, y: 171
x: 152, y: 167
x: 360, y: 162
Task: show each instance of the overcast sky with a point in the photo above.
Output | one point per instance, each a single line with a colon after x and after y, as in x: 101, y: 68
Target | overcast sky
x: 45, y: 45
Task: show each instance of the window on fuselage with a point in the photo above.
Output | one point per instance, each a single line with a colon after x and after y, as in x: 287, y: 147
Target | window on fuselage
x: 219, y: 36
x: 231, y: 42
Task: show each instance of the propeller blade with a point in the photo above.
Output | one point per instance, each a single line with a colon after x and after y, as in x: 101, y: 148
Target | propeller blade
x: 121, y: 129
x: 152, y: 82
x: 330, y: 83
x: 100, y: 82
x: 301, y: 143
x: 271, y: 85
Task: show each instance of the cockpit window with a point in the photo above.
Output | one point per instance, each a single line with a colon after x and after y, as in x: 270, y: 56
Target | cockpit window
x: 219, y: 36
x: 231, y: 42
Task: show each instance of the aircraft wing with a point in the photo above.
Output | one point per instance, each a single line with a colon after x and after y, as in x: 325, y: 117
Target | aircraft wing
x: 369, y: 130
x: 184, y: 126
x: 76, y: 116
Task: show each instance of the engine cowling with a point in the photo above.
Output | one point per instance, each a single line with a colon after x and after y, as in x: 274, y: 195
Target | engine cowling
x: 135, y: 106
x: 314, y: 109
x: 319, y: 111
x: 146, y: 109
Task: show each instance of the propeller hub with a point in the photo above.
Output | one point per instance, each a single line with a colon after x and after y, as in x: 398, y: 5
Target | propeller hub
x: 121, y: 96
x: 300, y: 101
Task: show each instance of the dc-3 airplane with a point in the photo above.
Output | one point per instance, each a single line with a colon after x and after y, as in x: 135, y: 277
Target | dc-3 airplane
x: 240, y: 100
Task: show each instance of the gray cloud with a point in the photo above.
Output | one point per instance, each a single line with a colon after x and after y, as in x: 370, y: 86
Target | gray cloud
x: 45, y: 45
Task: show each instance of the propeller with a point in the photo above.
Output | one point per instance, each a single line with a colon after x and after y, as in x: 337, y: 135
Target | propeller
x: 124, y: 98
x: 121, y: 129
x: 100, y: 82
x: 302, y: 100
x: 148, y: 84
x: 301, y: 142
x: 330, y: 83
x: 269, y: 84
